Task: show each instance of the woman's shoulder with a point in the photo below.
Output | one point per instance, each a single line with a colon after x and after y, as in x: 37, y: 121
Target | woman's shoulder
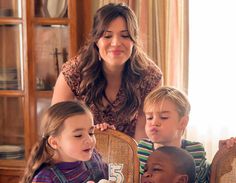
x: 152, y: 70
x: 72, y: 63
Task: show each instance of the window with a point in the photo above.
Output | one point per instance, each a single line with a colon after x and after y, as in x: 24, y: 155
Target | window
x: 212, y: 72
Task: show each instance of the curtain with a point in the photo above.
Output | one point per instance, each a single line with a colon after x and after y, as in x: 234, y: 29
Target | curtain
x: 212, y: 73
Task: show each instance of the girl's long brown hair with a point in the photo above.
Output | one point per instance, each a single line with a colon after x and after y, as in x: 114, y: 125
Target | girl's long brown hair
x: 52, y: 125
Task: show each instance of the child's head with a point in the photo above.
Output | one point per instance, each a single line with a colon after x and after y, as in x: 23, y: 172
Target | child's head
x: 68, y: 136
x: 169, y: 164
x: 166, y: 110
x: 69, y: 131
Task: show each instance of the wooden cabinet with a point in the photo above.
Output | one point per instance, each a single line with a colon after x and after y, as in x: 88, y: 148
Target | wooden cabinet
x: 36, y: 38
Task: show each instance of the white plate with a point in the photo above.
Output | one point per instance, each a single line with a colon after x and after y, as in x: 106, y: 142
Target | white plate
x: 10, y: 148
x: 54, y: 8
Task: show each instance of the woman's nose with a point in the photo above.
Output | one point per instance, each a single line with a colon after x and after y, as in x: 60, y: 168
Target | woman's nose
x: 115, y: 41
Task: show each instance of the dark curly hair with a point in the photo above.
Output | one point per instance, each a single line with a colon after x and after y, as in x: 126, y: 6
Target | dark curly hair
x: 93, y: 81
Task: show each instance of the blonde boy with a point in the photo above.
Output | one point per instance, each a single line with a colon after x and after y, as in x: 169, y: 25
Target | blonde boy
x: 167, y: 114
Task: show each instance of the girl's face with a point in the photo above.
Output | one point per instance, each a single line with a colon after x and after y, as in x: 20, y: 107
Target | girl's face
x: 115, y: 46
x: 76, y: 141
x: 159, y: 168
x: 163, y: 123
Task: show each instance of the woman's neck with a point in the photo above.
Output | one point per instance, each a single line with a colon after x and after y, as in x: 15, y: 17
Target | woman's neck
x: 113, y: 72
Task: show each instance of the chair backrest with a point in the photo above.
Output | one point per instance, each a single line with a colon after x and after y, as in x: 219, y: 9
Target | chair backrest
x: 118, y: 148
x: 223, y: 167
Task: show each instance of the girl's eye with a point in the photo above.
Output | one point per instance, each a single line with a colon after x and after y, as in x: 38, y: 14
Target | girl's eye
x: 91, y: 133
x: 78, y: 136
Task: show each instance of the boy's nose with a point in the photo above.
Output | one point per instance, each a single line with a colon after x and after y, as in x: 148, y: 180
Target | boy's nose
x: 146, y: 174
x: 156, y: 123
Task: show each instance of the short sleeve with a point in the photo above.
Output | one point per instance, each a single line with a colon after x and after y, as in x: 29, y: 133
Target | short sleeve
x: 145, y: 148
x: 197, y: 150
x: 71, y: 74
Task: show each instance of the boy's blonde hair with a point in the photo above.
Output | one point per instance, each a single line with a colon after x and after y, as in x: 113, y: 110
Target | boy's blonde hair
x: 174, y: 95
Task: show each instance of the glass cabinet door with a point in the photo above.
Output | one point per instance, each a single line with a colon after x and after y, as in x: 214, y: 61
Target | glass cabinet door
x: 51, y: 51
x: 12, y: 128
x: 51, y: 46
x: 10, y: 57
x: 11, y: 81
x: 10, y: 8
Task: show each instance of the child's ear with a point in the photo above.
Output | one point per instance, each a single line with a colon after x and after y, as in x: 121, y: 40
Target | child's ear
x: 184, y: 122
x: 182, y: 179
x: 52, y: 141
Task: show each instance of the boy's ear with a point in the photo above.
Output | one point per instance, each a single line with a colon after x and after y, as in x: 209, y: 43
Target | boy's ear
x: 52, y: 141
x: 182, y: 179
x: 184, y: 122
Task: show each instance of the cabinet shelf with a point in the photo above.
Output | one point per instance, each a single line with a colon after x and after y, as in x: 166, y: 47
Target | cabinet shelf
x: 9, y: 93
x: 51, y: 21
x: 10, y: 21
x: 44, y: 94
x: 8, y: 164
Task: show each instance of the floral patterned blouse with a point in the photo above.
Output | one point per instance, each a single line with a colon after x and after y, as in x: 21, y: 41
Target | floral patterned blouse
x: 123, y: 123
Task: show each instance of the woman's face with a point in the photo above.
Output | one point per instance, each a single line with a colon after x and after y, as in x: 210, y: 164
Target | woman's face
x: 115, y: 46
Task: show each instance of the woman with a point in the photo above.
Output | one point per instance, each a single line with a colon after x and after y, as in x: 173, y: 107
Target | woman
x: 111, y: 74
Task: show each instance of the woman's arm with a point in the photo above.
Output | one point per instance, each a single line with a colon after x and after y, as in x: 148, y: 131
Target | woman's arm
x: 62, y: 91
x: 140, y: 127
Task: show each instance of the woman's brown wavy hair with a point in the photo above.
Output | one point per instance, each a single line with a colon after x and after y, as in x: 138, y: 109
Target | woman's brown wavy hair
x: 93, y: 82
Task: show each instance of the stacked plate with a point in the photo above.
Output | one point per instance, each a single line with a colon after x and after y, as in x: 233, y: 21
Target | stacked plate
x: 11, y: 152
x: 8, y: 79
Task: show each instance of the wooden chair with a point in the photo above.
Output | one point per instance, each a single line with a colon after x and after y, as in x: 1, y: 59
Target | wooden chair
x: 223, y: 167
x: 119, y: 148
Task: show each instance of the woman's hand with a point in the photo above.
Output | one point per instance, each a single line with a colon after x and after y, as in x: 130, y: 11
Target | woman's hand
x: 104, y: 126
x: 227, y: 143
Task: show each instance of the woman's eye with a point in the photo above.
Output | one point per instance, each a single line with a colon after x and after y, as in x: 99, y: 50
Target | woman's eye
x: 107, y: 36
x: 125, y: 36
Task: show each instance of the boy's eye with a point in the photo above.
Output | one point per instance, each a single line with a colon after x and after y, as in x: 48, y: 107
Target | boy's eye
x: 156, y: 169
x: 164, y: 116
x: 149, y: 117
x: 145, y: 168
